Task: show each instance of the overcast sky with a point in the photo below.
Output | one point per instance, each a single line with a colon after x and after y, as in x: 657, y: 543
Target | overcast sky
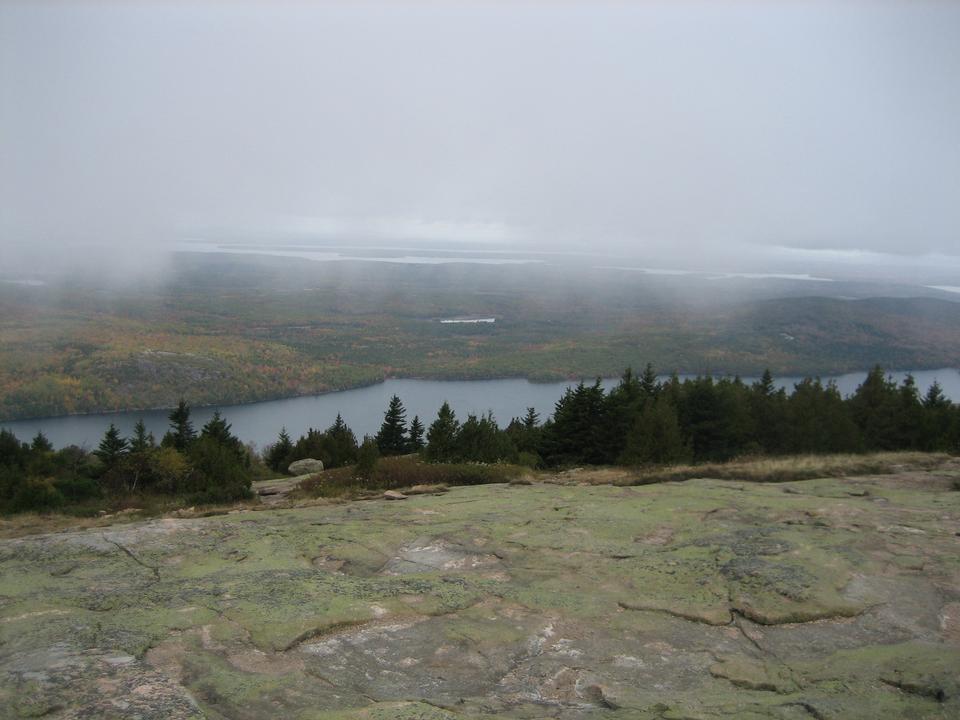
x: 663, y: 129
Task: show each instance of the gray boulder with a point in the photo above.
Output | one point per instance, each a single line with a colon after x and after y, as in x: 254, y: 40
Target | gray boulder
x: 307, y: 466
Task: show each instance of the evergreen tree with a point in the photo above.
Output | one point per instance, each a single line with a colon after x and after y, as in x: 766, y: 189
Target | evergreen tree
x: 217, y: 430
x: 938, y: 414
x: 181, y: 433
x: 739, y: 433
x: 112, y: 447
x: 622, y: 407
x: 340, y: 446
x: 769, y: 415
x: 416, y: 434
x: 656, y: 437
x: 367, y: 458
x: 819, y: 421
x: 910, y: 416
x: 526, y: 433
x: 311, y: 445
x: 40, y: 443
x: 764, y: 387
x: 219, y: 474
x: 701, y: 413
x: 531, y: 419
x: 935, y: 397
x: 13, y: 453
x: 391, y: 440
x: 442, y: 435
x: 141, y: 440
x: 874, y: 408
x: 578, y: 433
x: 648, y: 382
x: 339, y: 427
x: 138, y: 467
x: 278, y: 455
x: 480, y: 440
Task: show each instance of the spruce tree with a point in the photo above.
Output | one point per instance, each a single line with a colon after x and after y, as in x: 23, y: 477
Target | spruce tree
x: 141, y: 440
x: 579, y: 432
x: 339, y: 445
x: 769, y: 415
x: 367, y: 458
x: 278, y: 455
x: 416, y: 434
x: 139, y: 464
x: 935, y: 397
x: 442, y: 435
x: 702, y: 412
x: 218, y: 430
x: 481, y: 440
x: 181, y: 433
x: 112, y: 447
x: 938, y: 416
x: 656, y: 437
x: 819, y: 420
x: 531, y: 419
x: 339, y: 427
x: 41, y: 443
x: 391, y: 440
x: 764, y: 387
x: 648, y: 381
x: 910, y: 416
x: 622, y: 407
x: 874, y: 408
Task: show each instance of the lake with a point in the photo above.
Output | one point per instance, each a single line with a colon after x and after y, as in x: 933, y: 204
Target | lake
x: 363, y: 408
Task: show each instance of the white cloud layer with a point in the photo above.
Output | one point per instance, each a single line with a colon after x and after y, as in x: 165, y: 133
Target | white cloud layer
x: 670, y: 130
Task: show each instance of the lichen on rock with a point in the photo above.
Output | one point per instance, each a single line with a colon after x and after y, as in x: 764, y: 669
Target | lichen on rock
x: 698, y: 599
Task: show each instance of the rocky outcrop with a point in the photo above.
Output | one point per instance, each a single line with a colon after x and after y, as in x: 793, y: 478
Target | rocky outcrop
x: 705, y: 599
x: 307, y: 466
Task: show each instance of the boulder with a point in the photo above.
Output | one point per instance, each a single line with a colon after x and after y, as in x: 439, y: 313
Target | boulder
x: 307, y: 466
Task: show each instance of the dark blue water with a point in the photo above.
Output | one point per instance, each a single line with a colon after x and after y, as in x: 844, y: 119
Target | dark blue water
x: 363, y: 408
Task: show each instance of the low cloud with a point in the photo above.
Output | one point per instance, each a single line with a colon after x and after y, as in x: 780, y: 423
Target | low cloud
x: 677, y: 133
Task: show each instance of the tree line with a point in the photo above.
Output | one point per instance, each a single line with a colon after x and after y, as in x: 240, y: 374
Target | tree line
x: 642, y: 420
x: 208, y: 466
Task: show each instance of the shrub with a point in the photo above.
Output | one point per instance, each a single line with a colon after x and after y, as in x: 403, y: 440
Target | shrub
x: 170, y: 469
x: 78, y: 488
x: 36, y: 495
x: 218, y: 475
x: 529, y: 460
x: 392, y: 473
x: 367, y: 459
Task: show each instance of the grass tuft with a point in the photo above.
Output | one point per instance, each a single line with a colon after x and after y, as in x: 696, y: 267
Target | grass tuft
x: 792, y: 467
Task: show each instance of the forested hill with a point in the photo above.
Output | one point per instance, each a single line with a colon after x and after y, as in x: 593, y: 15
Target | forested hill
x: 219, y: 329
x: 826, y: 335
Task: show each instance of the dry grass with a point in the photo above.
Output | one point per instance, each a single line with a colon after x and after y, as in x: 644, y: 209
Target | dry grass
x: 12, y: 526
x: 793, y: 467
x: 406, y: 472
x: 132, y: 508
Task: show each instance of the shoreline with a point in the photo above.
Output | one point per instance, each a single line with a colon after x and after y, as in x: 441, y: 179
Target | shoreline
x: 422, y: 378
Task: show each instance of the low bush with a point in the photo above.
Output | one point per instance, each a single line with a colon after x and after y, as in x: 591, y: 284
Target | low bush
x: 36, y: 495
x: 392, y: 473
x: 77, y: 489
